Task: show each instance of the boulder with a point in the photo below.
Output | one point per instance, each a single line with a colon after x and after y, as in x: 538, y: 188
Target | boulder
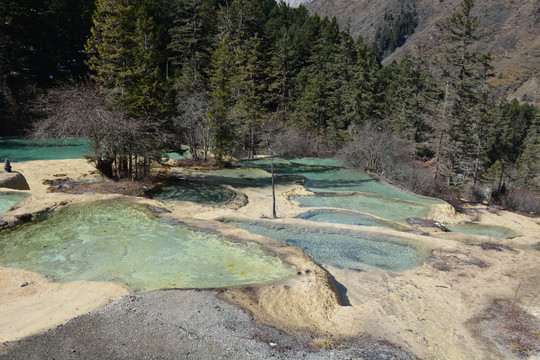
x: 13, y: 180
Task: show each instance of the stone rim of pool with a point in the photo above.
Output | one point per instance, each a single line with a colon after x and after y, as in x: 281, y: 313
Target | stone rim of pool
x: 276, y: 252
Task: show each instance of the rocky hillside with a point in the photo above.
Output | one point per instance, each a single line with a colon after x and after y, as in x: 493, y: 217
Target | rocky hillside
x: 512, y: 34
x: 296, y: 3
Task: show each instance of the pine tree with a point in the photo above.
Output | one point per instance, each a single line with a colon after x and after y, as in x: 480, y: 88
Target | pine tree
x: 145, y: 86
x: 465, y: 71
x: 281, y: 75
x: 221, y: 122
x: 191, y: 37
x: 411, y: 100
x: 248, y: 86
x: 125, y: 54
x: 110, y: 44
x: 528, y: 164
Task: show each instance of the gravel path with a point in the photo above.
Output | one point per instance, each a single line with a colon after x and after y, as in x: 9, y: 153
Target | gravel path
x: 178, y: 324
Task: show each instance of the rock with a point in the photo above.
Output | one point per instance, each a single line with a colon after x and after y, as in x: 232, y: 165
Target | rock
x: 426, y: 223
x: 13, y: 180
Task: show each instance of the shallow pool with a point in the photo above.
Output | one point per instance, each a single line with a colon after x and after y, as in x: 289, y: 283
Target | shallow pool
x: 10, y: 198
x: 495, y: 231
x: 347, y: 217
x: 19, y: 149
x: 123, y: 242
x: 192, y: 191
x: 349, y: 249
x: 392, y: 209
x: 327, y: 176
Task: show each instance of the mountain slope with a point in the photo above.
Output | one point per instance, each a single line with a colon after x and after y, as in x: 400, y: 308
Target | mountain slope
x: 511, y: 27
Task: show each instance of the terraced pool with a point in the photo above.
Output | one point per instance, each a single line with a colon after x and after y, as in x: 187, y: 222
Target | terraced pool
x: 123, y: 242
x: 350, y: 249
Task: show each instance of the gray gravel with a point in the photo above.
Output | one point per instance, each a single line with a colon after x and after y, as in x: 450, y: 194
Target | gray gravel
x: 176, y: 324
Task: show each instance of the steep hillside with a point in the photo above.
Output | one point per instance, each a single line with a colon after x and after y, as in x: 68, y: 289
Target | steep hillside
x: 512, y: 34
x: 296, y: 3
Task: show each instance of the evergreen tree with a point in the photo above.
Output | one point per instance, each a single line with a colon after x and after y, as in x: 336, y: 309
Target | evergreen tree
x: 125, y: 54
x: 411, y: 98
x: 221, y: 122
x: 191, y: 37
x: 362, y: 98
x: 343, y: 71
x: 465, y: 70
x: 145, y: 86
x: 528, y: 164
x: 248, y: 86
x: 110, y: 44
x: 281, y: 76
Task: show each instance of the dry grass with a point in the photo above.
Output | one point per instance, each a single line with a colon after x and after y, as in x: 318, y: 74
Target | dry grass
x: 327, y: 343
x: 124, y: 187
x: 518, y: 330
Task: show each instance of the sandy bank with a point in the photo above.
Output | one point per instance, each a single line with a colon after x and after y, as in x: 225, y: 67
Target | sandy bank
x: 42, y: 304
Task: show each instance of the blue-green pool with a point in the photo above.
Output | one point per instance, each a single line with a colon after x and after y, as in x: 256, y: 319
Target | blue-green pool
x: 392, y: 209
x: 202, y: 193
x: 495, y: 231
x: 10, y: 198
x: 335, y: 216
x: 327, y: 176
x: 123, y: 242
x: 349, y: 249
x: 19, y: 149
x: 350, y: 189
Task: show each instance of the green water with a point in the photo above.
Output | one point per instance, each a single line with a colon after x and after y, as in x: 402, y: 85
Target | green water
x: 495, y: 231
x: 392, y: 209
x: 19, y: 149
x: 325, y: 175
x: 349, y: 249
x: 123, y: 242
x: 9, y: 198
x: 350, y: 189
x: 347, y: 217
x: 240, y: 177
x: 192, y: 191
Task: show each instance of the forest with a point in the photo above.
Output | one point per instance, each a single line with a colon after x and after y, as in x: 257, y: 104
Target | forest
x: 236, y: 78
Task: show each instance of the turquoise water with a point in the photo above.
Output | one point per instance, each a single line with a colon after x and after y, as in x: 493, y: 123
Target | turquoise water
x: 123, y: 242
x: 349, y: 249
x: 347, y: 217
x: 9, y: 198
x: 240, y: 177
x: 192, y: 191
x: 495, y: 231
x: 326, y: 176
x: 350, y: 189
x: 19, y: 149
x: 392, y: 209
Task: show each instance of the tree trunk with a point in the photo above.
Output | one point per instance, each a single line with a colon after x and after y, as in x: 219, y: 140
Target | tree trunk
x: 273, y: 185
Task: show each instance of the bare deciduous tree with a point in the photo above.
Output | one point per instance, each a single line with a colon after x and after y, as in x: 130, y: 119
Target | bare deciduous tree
x: 121, y: 147
x: 193, y: 124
